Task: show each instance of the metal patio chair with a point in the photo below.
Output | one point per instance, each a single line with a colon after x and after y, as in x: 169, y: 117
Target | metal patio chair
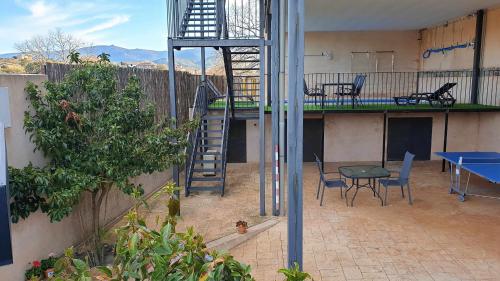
x: 315, y: 93
x: 350, y: 89
x: 402, y: 180
x: 328, y: 183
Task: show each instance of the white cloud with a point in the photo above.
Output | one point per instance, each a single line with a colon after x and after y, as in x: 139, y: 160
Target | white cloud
x: 112, y: 22
x: 39, y: 9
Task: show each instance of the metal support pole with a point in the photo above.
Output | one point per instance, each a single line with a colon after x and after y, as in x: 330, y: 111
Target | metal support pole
x: 282, y: 26
x: 445, y: 138
x: 262, y: 132
x: 173, y: 104
x: 384, y: 133
x: 476, y: 68
x: 295, y: 129
x: 203, y: 66
x: 274, y: 69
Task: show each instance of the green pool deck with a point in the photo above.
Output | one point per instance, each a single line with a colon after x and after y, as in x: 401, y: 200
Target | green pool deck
x: 374, y: 108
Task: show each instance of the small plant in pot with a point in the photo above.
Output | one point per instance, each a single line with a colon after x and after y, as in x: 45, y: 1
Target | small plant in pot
x: 242, y: 227
x: 294, y: 273
x: 47, y: 266
x: 35, y: 272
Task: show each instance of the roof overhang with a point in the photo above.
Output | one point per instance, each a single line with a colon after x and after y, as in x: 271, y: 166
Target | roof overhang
x: 366, y: 15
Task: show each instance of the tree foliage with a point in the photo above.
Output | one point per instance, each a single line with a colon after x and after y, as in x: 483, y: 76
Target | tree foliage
x: 96, y: 137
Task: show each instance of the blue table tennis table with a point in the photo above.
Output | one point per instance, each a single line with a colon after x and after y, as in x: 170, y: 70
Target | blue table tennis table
x: 482, y: 164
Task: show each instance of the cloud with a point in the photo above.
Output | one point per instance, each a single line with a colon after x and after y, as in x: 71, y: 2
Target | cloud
x: 39, y: 9
x: 112, y: 22
x: 86, y: 19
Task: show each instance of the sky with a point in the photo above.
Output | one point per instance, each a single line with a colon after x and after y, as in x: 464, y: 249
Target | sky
x: 125, y: 23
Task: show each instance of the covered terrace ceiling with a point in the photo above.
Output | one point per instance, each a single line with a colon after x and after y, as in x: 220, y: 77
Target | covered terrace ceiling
x: 353, y: 15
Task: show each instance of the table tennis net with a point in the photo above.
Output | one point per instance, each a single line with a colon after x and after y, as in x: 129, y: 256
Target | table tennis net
x: 479, y: 160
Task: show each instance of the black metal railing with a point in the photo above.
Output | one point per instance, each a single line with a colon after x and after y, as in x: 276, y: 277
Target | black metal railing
x: 200, y: 108
x: 489, y: 86
x: 236, y: 19
x: 328, y: 90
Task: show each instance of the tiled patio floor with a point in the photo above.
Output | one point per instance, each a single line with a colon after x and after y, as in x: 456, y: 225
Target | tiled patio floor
x: 438, y: 238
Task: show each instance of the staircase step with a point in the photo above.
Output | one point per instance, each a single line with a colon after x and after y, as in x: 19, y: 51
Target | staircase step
x: 210, y: 145
x: 211, y: 131
x: 242, y: 61
x: 246, y: 90
x: 205, y: 188
x: 246, y: 83
x: 214, y: 153
x: 207, y: 161
x: 211, y: 138
x: 201, y: 14
x: 207, y: 179
x: 245, y: 53
x: 246, y: 76
x: 202, y: 8
x: 207, y: 170
x: 213, y: 117
x: 244, y: 68
x: 197, y: 25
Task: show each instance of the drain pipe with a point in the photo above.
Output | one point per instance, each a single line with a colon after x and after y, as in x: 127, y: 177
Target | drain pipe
x: 282, y: 148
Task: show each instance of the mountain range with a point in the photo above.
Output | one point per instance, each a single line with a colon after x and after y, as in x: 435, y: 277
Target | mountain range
x: 188, y: 58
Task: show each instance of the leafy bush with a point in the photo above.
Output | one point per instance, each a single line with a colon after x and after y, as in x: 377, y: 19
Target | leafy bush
x: 97, y: 138
x: 294, y: 273
x: 143, y: 253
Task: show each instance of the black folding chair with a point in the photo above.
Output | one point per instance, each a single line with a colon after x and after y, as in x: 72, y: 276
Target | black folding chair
x: 315, y: 93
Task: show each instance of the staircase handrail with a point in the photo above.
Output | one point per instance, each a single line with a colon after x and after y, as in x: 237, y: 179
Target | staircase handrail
x: 199, y: 109
x: 224, y: 142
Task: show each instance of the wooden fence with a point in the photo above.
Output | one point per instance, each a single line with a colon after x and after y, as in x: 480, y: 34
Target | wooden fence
x: 154, y: 84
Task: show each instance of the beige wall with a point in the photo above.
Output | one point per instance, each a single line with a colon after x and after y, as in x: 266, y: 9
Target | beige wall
x: 358, y: 137
x: 457, y: 32
x: 342, y: 44
x: 491, y: 47
x: 36, y: 237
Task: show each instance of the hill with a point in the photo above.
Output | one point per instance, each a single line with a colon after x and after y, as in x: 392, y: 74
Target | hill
x: 186, y: 58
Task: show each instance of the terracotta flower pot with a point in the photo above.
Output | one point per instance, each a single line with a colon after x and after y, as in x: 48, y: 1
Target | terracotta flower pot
x: 242, y: 229
x: 49, y: 273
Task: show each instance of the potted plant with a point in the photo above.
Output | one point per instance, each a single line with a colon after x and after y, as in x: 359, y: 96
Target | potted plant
x: 47, y: 266
x: 35, y: 272
x: 242, y: 227
x: 294, y: 273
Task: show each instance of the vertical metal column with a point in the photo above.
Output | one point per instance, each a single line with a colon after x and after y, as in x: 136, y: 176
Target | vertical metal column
x: 173, y: 103
x: 274, y: 69
x: 282, y: 148
x: 476, y: 68
x: 262, y: 103
x: 295, y: 129
x: 384, y: 133
x: 445, y: 138
x: 262, y: 132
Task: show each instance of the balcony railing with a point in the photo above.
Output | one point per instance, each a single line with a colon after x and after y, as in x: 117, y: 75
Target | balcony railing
x: 238, y: 19
x: 380, y: 89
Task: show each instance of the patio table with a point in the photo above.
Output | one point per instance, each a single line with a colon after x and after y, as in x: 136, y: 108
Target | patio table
x: 363, y: 172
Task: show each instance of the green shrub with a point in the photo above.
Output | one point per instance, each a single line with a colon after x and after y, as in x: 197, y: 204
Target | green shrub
x: 97, y: 138
x: 294, y: 273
